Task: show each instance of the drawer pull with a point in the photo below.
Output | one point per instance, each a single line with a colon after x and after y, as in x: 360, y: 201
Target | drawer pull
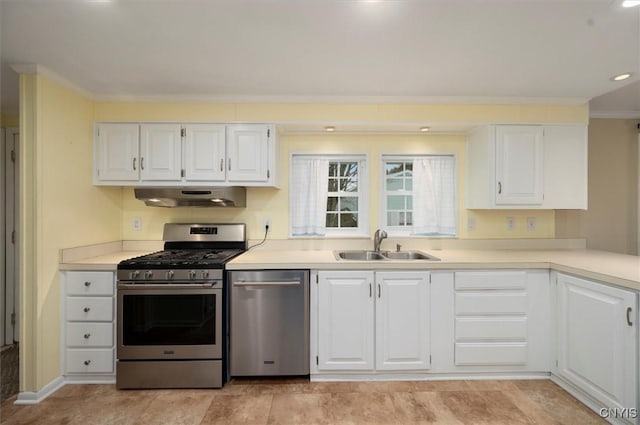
x: 87, y: 336
x: 87, y: 362
x: 629, y: 322
x: 86, y: 309
x: 87, y: 284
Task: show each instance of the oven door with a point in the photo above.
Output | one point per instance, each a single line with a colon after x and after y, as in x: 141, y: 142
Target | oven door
x: 169, y: 321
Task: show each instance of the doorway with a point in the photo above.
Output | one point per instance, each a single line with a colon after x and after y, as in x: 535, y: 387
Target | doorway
x: 9, y: 290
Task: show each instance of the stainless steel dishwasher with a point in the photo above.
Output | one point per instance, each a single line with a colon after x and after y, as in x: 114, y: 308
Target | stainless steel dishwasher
x: 269, y: 322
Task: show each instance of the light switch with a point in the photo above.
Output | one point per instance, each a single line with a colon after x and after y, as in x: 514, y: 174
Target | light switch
x: 136, y: 223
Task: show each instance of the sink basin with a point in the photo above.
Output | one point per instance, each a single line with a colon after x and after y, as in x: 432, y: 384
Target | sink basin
x: 359, y: 255
x: 384, y: 255
x: 409, y: 255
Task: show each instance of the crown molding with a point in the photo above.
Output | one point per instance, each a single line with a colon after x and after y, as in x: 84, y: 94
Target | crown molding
x: 36, y: 69
x: 627, y: 115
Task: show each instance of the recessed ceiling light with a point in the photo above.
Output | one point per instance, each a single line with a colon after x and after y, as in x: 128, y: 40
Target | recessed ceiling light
x: 630, y: 3
x: 329, y: 128
x: 425, y: 129
x: 621, y: 77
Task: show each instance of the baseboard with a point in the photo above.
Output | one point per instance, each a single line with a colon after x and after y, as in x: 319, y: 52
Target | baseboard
x: 367, y: 376
x: 28, y: 397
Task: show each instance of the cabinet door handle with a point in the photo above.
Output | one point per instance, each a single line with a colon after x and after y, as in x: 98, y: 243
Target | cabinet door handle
x: 87, y: 362
x: 370, y: 290
x: 499, y: 188
x: 229, y: 163
x: 629, y: 322
x: 134, y: 163
x: 87, y: 284
x: 87, y: 336
x: 378, y: 290
x: 221, y: 164
x: 142, y: 163
x: 86, y: 309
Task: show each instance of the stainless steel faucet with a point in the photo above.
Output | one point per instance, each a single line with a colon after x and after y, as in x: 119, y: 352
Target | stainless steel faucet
x: 377, y: 239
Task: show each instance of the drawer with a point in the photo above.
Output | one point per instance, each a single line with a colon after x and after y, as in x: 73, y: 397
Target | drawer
x: 490, y: 354
x: 491, y: 328
x: 89, y: 361
x: 89, y: 309
x: 89, y: 283
x: 89, y: 334
x: 490, y: 302
x: 490, y: 280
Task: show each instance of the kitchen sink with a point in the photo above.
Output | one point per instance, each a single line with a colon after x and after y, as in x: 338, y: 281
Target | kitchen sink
x: 409, y: 255
x: 359, y: 255
x: 383, y: 255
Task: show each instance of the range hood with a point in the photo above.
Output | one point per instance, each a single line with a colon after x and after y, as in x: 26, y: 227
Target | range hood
x: 170, y: 197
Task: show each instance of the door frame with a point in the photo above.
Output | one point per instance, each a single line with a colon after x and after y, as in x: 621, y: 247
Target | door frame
x: 11, y: 285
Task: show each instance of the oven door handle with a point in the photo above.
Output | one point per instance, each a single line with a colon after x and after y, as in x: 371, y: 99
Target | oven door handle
x: 166, y: 286
x: 268, y: 283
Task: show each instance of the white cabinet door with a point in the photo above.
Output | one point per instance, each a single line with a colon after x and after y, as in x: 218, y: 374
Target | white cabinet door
x: 160, y: 152
x: 117, y: 152
x: 402, y: 321
x: 519, y: 156
x: 597, y: 340
x: 204, y: 152
x: 248, y: 152
x: 565, y: 167
x: 345, y: 320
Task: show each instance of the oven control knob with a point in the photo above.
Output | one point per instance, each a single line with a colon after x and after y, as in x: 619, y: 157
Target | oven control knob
x: 192, y: 274
x: 170, y: 275
x: 135, y: 274
x: 205, y: 274
x: 148, y: 274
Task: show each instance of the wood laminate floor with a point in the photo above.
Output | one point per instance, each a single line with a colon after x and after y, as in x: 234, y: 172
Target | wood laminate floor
x: 299, y: 402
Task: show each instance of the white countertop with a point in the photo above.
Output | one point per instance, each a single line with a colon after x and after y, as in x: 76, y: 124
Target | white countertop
x: 617, y: 269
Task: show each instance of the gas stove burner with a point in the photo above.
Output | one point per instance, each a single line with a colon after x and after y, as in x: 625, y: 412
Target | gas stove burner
x: 186, y: 258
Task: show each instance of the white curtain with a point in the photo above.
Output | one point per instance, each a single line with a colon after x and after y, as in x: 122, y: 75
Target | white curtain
x: 309, y: 188
x: 434, y: 196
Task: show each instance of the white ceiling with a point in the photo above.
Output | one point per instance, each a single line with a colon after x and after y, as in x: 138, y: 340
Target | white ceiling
x: 330, y: 50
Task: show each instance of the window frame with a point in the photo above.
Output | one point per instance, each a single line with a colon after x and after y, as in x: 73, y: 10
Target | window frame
x: 407, y: 231
x: 362, y: 231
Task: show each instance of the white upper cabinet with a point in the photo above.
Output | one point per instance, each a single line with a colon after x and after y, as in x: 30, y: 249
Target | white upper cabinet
x: 204, y: 152
x: 518, y: 165
x: 173, y: 154
x: 527, y: 167
x: 160, y: 148
x: 116, y: 152
x: 248, y: 153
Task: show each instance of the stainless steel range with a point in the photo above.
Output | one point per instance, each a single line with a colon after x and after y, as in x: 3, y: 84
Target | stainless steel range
x: 172, y: 309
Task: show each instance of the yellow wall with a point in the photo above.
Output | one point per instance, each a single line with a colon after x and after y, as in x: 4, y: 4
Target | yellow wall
x: 274, y: 204
x: 69, y: 211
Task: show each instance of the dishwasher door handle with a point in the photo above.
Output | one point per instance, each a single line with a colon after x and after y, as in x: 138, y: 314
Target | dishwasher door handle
x: 268, y: 283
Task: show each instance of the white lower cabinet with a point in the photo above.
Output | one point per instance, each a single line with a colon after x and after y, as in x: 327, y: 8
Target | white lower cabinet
x: 597, y: 340
x: 370, y: 321
x: 88, y: 325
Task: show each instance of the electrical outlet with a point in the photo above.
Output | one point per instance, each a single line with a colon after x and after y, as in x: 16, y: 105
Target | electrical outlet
x: 531, y: 224
x: 267, y: 222
x: 511, y: 224
x: 471, y: 224
x: 136, y: 223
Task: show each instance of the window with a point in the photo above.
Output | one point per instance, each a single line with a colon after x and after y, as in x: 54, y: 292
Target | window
x: 327, y: 194
x: 419, y: 195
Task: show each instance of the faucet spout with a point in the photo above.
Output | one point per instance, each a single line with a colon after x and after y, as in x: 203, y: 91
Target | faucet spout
x: 377, y: 239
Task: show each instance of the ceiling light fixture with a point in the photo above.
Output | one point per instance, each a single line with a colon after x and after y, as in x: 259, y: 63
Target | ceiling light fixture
x: 621, y: 77
x: 425, y: 129
x: 329, y: 128
x: 630, y: 3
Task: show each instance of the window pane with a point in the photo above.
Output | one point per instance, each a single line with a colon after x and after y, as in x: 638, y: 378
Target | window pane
x: 410, y: 203
x: 333, y: 185
x: 408, y: 183
x: 395, y: 202
x: 349, y: 185
x: 393, y: 218
x: 348, y: 203
x: 332, y: 220
x: 409, y: 219
x: 393, y: 168
x: 349, y: 220
x: 408, y: 166
x: 349, y: 169
x: 332, y: 203
x: 333, y: 169
x: 394, y: 184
